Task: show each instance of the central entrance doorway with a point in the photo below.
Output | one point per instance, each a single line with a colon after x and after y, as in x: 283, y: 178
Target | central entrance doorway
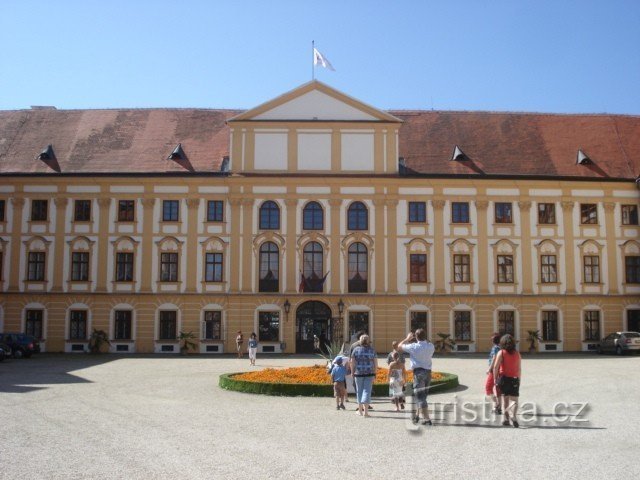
x: 312, y: 319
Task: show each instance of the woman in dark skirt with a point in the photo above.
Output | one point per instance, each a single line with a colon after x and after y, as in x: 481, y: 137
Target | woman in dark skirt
x: 506, y: 371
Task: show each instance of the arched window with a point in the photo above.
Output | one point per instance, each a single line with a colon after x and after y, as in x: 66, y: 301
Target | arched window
x: 269, y: 267
x: 358, y: 268
x: 312, y: 217
x: 312, y: 267
x: 357, y: 217
x: 269, y: 216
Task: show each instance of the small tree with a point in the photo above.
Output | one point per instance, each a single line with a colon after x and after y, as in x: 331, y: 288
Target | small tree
x: 97, y: 340
x: 445, y: 344
x: 533, y: 337
x: 186, y: 342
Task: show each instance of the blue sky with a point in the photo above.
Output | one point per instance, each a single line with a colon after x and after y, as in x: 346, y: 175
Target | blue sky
x: 543, y: 56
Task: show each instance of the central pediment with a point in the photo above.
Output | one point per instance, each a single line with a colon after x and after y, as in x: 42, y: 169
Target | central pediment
x: 315, y: 101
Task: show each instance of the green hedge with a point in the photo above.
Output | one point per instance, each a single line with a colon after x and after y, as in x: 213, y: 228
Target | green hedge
x: 310, y: 390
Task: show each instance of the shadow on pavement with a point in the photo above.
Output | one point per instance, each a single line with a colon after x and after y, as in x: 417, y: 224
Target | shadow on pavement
x: 35, y: 373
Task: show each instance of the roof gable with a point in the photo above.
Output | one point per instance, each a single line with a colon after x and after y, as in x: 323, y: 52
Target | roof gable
x: 315, y: 101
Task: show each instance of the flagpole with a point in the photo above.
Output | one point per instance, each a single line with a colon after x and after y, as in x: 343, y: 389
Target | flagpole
x: 313, y: 69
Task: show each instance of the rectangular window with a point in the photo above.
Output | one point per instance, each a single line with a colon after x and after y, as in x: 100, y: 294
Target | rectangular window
x: 461, y: 269
x: 215, y: 211
x: 212, y: 325
x: 39, y: 210
x: 1, y: 264
x: 633, y: 320
x: 213, y: 267
x: 80, y: 266
x: 170, y: 210
x: 546, y: 213
x: 505, y: 268
x: 419, y: 320
x: 462, y: 326
x: 588, y: 214
x: 126, y: 211
x: 506, y: 322
x: 592, y: 325
x: 503, y: 212
x: 629, y: 214
x: 78, y: 325
x: 550, y: 326
x: 168, y: 267
x: 36, y: 266
x: 417, y: 212
x: 632, y: 268
x: 2, y: 211
x: 82, y: 210
x: 124, y: 267
x: 460, y: 212
x: 591, y: 269
x: 548, y: 271
x: 269, y: 326
x: 418, y: 268
x: 168, y: 325
x: 358, y: 322
x: 122, y: 325
x: 33, y: 323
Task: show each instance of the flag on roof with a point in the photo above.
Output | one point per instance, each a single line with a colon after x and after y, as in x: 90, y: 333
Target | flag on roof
x: 319, y: 59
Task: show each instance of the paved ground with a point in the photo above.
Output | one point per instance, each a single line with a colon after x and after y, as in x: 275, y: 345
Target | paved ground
x: 67, y: 416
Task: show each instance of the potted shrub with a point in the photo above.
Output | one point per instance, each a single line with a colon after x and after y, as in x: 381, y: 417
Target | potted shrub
x: 98, y: 340
x: 186, y: 342
x: 533, y: 337
x: 445, y: 343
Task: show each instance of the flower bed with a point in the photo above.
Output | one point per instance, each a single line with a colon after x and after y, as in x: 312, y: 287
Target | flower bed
x: 313, y: 381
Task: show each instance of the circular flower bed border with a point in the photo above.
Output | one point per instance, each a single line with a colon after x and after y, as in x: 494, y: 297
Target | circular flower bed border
x: 228, y: 382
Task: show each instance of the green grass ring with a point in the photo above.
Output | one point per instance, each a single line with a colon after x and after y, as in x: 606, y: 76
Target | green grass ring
x: 228, y: 382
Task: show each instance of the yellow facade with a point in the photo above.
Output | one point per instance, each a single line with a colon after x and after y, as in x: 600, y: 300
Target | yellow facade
x: 393, y: 245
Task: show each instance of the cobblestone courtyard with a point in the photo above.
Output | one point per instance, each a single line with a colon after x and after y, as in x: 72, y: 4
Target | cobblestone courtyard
x: 82, y: 416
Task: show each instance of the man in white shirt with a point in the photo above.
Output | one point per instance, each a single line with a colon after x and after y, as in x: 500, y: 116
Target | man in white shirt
x: 420, y: 352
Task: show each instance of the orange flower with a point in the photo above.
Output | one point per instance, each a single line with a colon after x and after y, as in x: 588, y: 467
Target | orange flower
x: 316, y: 374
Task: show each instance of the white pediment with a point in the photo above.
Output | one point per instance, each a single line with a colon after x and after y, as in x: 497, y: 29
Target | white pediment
x: 315, y: 101
x: 315, y: 105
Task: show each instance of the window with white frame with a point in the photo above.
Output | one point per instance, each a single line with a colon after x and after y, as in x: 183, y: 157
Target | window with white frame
x: 168, y: 325
x: 592, y: 325
x: 269, y: 326
x: 212, y: 325
x: 506, y: 322
x: 550, y: 332
x: 462, y: 325
x: 78, y: 325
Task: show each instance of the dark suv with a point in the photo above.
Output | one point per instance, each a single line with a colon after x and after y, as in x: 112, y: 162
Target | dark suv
x: 21, y: 345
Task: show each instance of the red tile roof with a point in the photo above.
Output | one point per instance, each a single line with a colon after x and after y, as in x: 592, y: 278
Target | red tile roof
x: 520, y: 143
x: 140, y: 140
x: 134, y: 140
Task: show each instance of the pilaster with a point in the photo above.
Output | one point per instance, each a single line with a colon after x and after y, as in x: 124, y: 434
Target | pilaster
x: 104, y: 205
x: 16, y: 233
x: 58, y: 249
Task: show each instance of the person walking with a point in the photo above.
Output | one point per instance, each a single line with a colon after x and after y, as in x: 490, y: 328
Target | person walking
x: 338, y: 377
x: 507, y: 371
x: 394, y: 349
x: 420, y: 358
x: 490, y: 388
x: 364, y: 365
x: 401, y: 359
x: 397, y: 377
x: 239, y: 342
x: 253, y: 348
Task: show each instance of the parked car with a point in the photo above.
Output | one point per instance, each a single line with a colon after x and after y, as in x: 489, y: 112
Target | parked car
x: 620, y: 343
x: 5, y: 351
x: 21, y: 345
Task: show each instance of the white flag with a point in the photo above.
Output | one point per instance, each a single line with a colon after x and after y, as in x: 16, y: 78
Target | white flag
x: 318, y: 59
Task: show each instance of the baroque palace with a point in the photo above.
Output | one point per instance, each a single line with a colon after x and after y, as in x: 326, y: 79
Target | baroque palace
x: 316, y: 214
